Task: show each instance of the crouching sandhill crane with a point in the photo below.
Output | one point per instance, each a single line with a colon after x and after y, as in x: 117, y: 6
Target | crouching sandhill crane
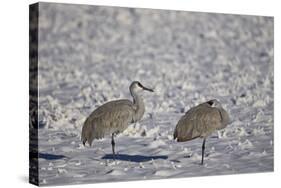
x: 115, y: 116
x: 201, y: 121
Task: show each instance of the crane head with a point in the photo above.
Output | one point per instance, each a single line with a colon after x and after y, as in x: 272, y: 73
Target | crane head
x: 136, y: 86
x: 214, y: 103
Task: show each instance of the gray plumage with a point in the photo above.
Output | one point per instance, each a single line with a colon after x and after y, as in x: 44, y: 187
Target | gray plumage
x: 115, y: 116
x: 201, y: 121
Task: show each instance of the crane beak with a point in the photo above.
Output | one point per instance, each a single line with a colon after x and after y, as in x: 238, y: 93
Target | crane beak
x: 147, y: 89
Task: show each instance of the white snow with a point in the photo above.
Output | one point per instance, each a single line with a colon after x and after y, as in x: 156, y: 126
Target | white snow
x: 90, y: 55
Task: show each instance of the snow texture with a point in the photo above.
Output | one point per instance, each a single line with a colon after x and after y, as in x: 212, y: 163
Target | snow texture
x: 89, y: 55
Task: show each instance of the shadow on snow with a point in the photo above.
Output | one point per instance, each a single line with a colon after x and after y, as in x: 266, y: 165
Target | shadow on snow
x: 48, y: 156
x: 134, y: 158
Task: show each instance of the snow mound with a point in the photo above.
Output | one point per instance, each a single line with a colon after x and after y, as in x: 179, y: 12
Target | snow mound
x: 245, y: 145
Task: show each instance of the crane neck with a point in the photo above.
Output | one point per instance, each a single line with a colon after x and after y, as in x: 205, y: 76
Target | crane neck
x: 139, y: 106
x: 224, y: 118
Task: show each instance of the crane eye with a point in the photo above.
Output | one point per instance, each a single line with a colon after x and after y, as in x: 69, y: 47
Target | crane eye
x: 139, y: 84
x: 210, y: 103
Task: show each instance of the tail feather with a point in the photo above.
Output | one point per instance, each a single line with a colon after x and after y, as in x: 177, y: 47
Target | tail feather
x: 84, y: 142
x: 88, y: 133
x: 175, y: 134
x: 84, y: 134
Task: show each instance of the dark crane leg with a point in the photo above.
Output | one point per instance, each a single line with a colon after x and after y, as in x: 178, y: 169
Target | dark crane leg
x: 113, y: 145
x: 203, y: 150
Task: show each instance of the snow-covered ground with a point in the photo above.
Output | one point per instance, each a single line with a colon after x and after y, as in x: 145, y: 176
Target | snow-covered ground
x: 89, y: 55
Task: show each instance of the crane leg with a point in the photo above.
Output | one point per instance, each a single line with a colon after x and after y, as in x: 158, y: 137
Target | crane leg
x: 203, y: 150
x: 113, y: 145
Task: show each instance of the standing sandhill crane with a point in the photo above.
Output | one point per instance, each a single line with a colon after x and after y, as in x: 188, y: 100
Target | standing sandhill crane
x: 201, y: 121
x: 115, y: 116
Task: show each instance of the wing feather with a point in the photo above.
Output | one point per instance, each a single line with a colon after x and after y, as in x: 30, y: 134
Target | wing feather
x: 199, y: 121
x: 114, y: 116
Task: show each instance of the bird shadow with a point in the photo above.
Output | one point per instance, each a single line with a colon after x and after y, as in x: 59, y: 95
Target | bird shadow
x: 134, y: 158
x: 48, y: 156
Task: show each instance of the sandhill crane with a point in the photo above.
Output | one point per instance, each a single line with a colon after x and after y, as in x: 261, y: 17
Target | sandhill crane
x: 115, y: 116
x: 201, y: 121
